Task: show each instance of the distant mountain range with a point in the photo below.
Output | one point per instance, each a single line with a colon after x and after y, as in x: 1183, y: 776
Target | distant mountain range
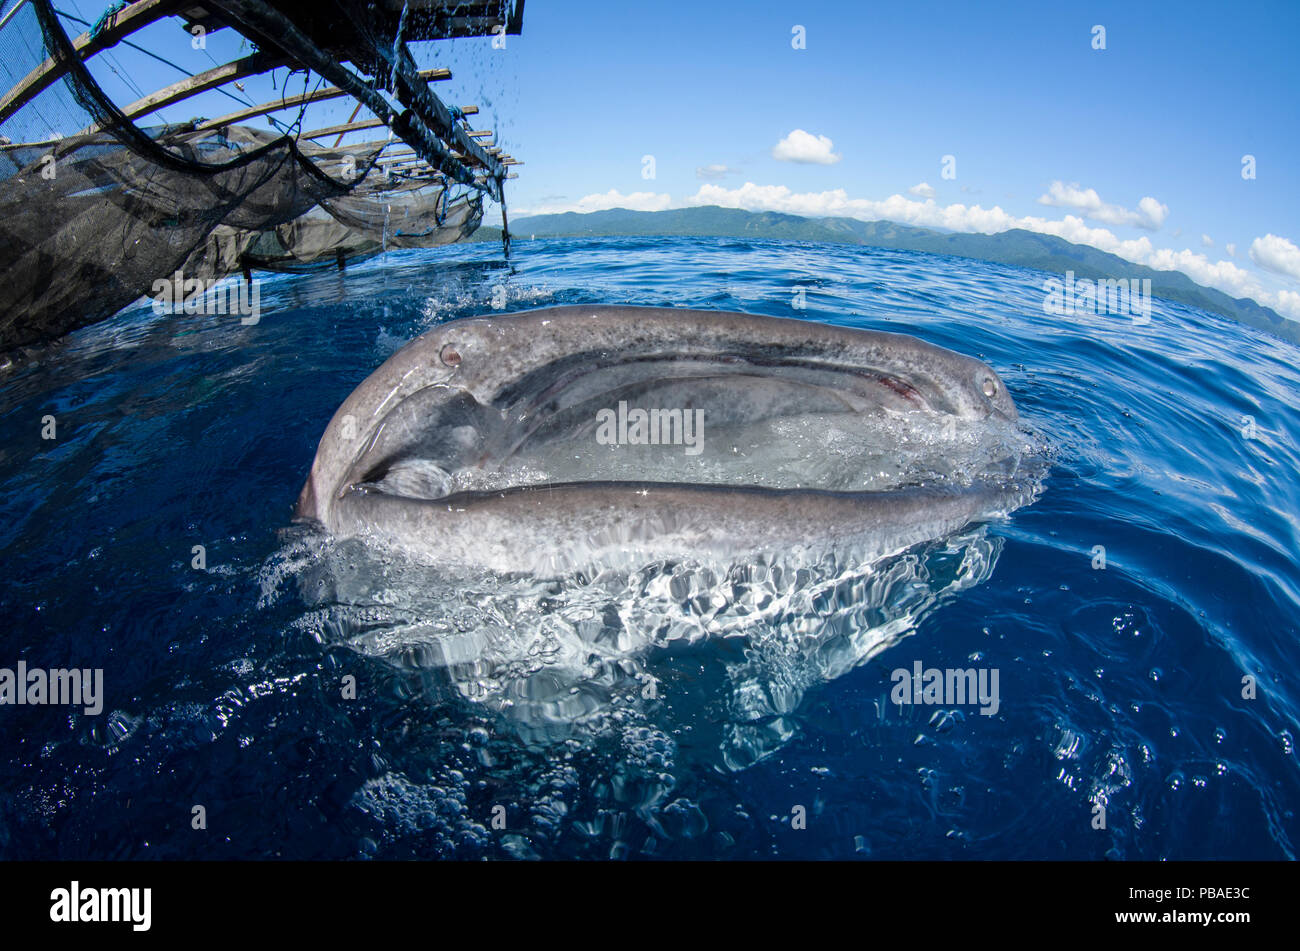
x: 1017, y: 247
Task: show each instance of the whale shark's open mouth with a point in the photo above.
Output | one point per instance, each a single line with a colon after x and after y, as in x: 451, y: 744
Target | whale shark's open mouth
x: 566, y: 434
x: 723, y: 422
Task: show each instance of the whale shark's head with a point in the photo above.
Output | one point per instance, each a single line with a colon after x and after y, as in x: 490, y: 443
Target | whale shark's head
x: 501, y: 402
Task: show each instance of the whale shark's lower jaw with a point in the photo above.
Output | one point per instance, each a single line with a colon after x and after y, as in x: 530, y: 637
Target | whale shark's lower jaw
x: 576, y: 437
x: 562, y: 528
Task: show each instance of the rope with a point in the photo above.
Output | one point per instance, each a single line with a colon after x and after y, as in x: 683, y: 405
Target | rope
x: 107, y: 15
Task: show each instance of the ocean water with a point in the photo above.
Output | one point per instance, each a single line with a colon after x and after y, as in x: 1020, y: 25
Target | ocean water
x: 1140, y: 613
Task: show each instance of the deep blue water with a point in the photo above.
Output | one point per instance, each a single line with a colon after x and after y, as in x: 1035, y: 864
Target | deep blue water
x: 1121, y: 686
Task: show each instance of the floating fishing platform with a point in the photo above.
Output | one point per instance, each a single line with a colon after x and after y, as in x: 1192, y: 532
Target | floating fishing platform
x: 100, y: 199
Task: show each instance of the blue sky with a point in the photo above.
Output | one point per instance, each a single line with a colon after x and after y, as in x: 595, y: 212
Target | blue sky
x: 1136, y: 149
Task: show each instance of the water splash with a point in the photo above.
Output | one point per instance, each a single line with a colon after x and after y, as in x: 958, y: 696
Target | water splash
x: 586, y: 655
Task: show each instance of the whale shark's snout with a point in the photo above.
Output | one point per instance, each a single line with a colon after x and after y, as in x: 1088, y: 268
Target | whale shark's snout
x: 555, y: 437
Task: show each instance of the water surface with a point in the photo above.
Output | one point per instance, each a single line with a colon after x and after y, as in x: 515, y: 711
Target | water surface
x: 668, y: 712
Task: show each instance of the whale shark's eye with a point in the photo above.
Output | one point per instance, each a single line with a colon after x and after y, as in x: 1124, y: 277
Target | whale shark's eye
x: 450, y: 356
x: 990, y: 388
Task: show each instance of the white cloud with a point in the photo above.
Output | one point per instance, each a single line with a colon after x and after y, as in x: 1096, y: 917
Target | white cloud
x: 1270, y: 252
x: 801, y: 146
x: 1288, y: 302
x: 1226, y: 276
x: 1277, y: 255
x: 1150, y: 213
x: 923, y: 190
x: 1223, y: 275
x: 636, y: 201
x: 1207, y: 241
x: 713, y: 172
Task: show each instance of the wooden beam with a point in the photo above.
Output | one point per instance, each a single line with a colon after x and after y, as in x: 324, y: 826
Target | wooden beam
x: 423, y: 120
x: 120, y: 24
x: 378, y: 144
x: 407, y: 165
x: 266, y: 108
x: 326, y: 132
x: 259, y: 62
x: 432, y: 110
x: 319, y: 95
x: 352, y: 118
x: 9, y: 14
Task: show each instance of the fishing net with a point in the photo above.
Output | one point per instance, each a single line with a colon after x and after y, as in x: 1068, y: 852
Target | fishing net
x: 94, y: 209
x: 376, y: 216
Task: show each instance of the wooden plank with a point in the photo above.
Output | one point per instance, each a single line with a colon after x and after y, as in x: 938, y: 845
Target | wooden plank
x: 291, y: 102
x: 120, y: 24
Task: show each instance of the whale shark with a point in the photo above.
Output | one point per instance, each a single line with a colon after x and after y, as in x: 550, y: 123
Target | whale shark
x: 563, y: 516
x: 560, y: 438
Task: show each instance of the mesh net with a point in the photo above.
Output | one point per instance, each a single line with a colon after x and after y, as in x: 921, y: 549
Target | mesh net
x: 90, y: 219
x: 379, y: 214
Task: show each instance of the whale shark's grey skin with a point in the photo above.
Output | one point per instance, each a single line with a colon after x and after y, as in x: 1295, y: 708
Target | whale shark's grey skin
x: 476, y: 392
